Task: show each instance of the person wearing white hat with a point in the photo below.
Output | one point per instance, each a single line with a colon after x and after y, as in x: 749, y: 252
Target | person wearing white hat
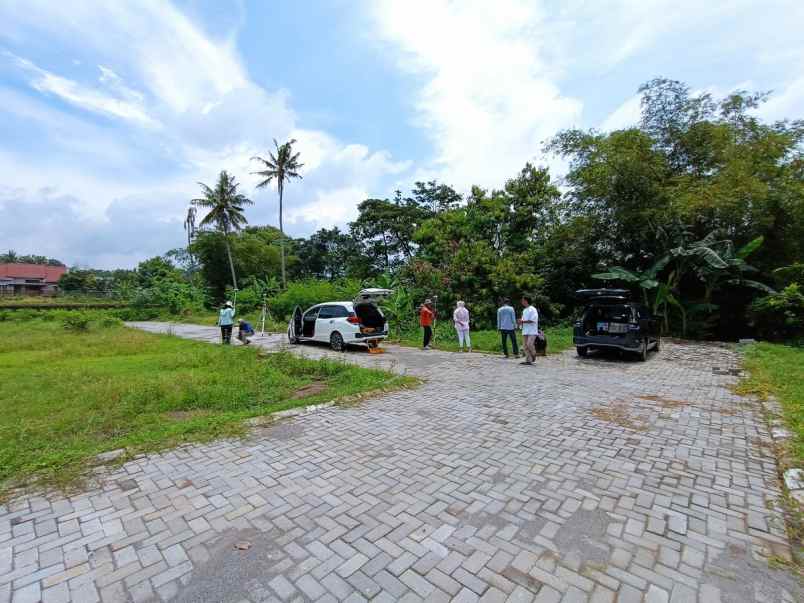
x: 225, y: 322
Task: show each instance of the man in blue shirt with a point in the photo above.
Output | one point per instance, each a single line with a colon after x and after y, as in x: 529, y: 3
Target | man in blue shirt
x: 244, y: 331
x: 225, y: 322
x: 506, y: 325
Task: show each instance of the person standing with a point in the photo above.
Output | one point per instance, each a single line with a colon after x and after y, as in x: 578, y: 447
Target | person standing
x: 506, y: 325
x: 426, y: 316
x: 530, y: 329
x: 461, y: 319
x: 226, y: 321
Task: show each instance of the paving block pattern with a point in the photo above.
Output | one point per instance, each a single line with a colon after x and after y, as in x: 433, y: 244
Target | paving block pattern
x: 593, y: 480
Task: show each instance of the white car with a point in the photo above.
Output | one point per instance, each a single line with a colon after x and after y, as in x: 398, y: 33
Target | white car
x: 342, y: 323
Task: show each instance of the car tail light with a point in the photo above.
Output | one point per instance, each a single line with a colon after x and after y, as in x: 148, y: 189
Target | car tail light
x: 353, y: 320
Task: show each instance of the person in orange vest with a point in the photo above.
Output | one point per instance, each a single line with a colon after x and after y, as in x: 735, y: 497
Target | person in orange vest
x: 426, y: 317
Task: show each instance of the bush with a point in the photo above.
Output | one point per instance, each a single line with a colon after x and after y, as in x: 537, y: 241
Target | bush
x: 310, y: 292
x: 108, y: 321
x: 779, y: 316
x: 248, y: 300
x: 175, y: 296
x: 76, y: 321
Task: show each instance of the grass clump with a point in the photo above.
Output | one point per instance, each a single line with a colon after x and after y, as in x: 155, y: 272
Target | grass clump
x: 70, y: 395
x: 778, y: 371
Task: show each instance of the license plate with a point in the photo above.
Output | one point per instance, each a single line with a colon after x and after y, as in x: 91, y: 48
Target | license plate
x: 618, y: 327
x: 602, y: 326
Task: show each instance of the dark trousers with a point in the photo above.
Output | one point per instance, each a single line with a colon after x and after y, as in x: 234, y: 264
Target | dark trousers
x: 428, y: 335
x: 226, y: 333
x: 505, y: 334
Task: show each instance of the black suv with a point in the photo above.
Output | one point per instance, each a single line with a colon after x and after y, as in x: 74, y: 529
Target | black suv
x: 610, y: 320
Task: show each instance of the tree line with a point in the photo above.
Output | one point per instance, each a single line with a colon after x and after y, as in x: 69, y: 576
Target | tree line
x: 698, y: 208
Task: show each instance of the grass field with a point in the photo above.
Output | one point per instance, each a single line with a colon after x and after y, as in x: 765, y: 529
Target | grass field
x: 778, y: 370
x: 558, y: 339
x: 69, y: 396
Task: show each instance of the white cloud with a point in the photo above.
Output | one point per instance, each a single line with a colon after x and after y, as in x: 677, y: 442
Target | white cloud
x: 90, y: 99
x: 181, y: 107
x: 626, y: 115
x: 490, y: 100
x: 787, y: 103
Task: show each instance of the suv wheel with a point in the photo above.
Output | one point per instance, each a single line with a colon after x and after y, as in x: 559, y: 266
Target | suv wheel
x: 336, y: 342
x: 292, y: 340
x: 582, y: 351
x: 643, y: 352
x: 656, y: 347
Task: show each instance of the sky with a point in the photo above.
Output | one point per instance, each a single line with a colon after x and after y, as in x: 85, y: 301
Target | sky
x: 111, y: 113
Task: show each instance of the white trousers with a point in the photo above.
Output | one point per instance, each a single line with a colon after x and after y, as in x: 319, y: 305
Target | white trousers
x: 463, y: 337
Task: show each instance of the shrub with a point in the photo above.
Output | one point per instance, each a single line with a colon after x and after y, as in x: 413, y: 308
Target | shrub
x: 310, y: 292
x: 779, y: 316
x: 107, y: 321
x: 248, y: 299
x: 175, y: 296
x: 76, y: 321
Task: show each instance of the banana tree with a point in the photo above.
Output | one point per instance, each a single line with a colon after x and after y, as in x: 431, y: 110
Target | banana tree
x: 646, y: 280
x: 397, y: 307
x: 731, y: 268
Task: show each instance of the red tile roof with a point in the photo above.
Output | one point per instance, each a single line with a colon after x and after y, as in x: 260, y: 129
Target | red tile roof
x: 50, y: 274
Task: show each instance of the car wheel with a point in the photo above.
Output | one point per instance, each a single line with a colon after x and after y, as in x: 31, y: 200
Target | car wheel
x: 292, y: 340
x: 643, y: 352
x: 656, y: 347
x: 582, y: 351
x: 336, y: 342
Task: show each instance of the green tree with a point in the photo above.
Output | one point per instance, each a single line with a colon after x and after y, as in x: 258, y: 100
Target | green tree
x: 255, y: 254
x: 330, y: 253
x: 226, y: 208
x: 282, y: 167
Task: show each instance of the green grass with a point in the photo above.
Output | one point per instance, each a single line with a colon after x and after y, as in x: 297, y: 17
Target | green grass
x: 67, y: 397
x: 778, y: 370
x: 558, y: 339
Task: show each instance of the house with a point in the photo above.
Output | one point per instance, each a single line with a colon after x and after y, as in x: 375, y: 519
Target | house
x: 30, y: 279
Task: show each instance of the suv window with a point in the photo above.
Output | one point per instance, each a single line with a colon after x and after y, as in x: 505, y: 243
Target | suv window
x: 333, y: 312
x: 328, y: 312
x: 311, y: 314
x: 341, y: 311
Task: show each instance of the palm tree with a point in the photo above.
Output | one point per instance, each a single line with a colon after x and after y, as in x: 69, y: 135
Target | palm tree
x: 189, y: 224
x: 225, y: 206
x: 282, y: 166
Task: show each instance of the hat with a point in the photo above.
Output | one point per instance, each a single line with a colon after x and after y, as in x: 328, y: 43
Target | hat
x: 428, y: 301
x: 228, y: 304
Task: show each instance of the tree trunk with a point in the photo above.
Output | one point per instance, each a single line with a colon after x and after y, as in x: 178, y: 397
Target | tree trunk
x: 282, y: 239
x: 229, y: 254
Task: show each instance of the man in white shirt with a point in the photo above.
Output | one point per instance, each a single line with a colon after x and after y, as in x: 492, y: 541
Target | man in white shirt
x: 530, y: 329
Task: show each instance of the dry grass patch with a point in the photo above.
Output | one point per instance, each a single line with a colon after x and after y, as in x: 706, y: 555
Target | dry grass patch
x: 618, y: 414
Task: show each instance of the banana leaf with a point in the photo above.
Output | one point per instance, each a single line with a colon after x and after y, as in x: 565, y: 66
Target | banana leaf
x: 750, y: 247
x: 752, y: 284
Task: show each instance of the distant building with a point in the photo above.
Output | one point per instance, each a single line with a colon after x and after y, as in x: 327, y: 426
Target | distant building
x: 30, y: 279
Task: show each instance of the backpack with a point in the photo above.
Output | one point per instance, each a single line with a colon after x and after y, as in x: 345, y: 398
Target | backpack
x: 541, y: 343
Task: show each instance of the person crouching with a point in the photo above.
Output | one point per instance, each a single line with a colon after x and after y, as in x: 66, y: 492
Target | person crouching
x: 244, y: 331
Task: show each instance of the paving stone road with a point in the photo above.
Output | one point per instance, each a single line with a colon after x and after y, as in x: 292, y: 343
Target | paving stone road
x: 576, y: 480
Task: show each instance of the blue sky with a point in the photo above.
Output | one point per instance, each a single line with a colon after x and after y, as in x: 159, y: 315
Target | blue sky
x: 111, y: 112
